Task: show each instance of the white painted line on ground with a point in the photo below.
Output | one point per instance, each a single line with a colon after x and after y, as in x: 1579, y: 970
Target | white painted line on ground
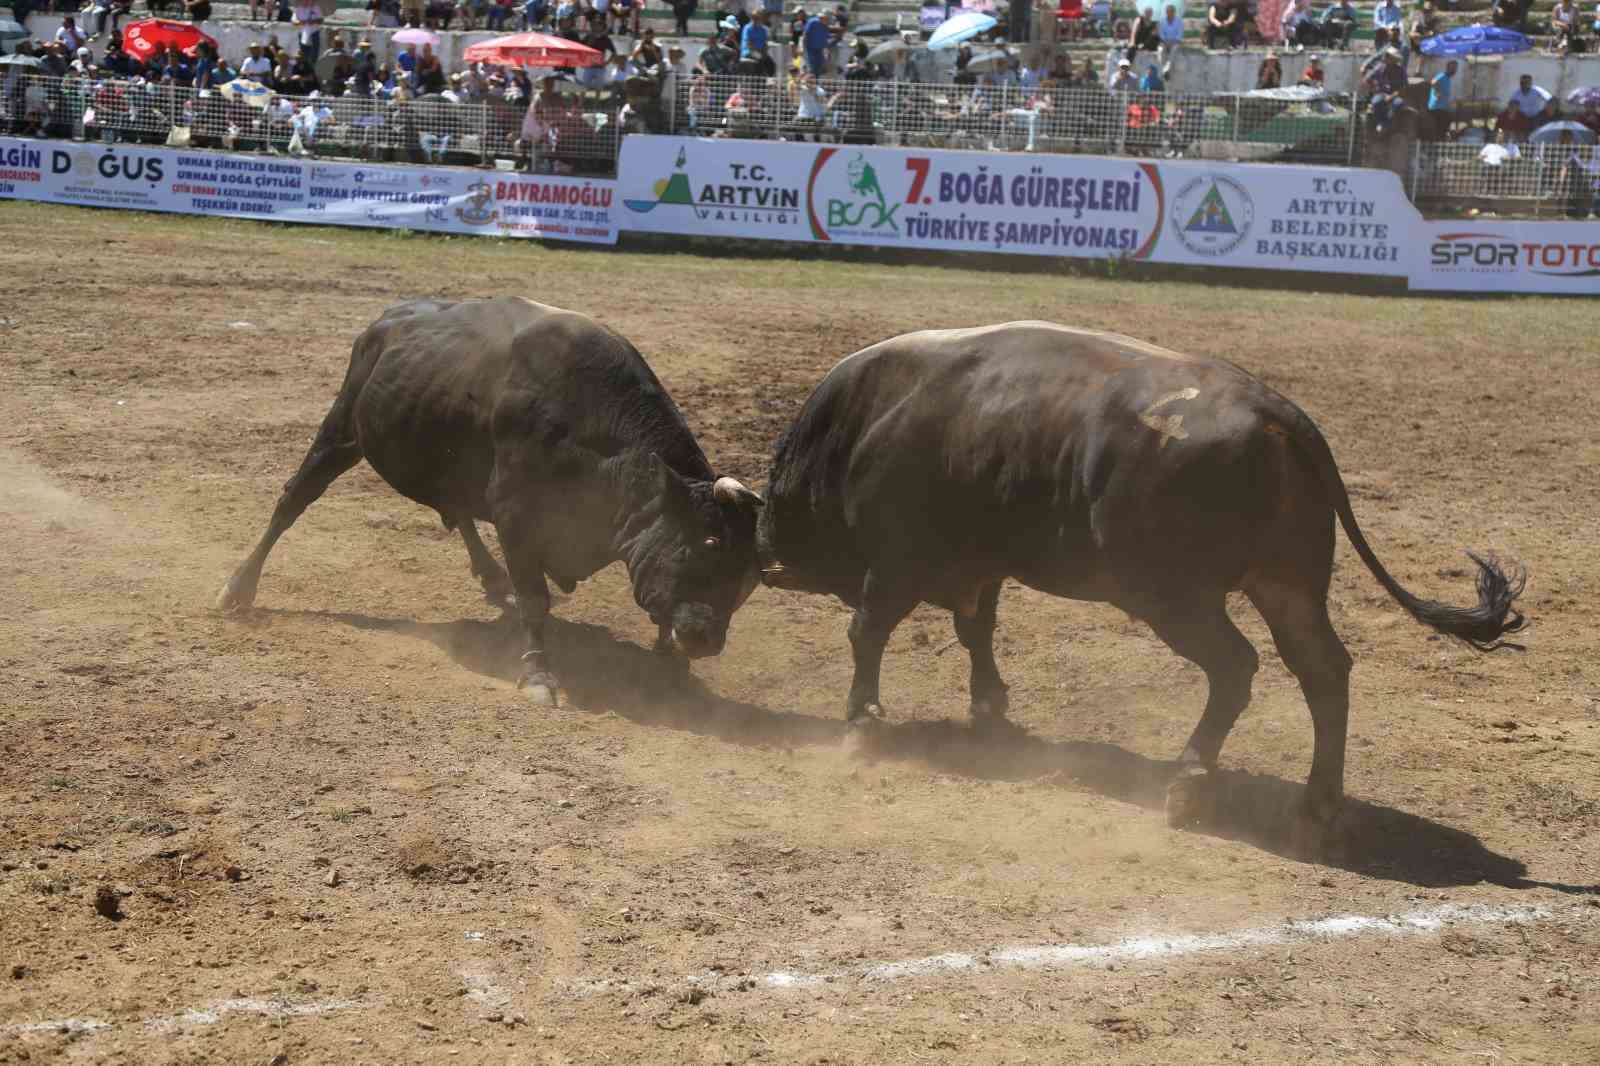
x: 207, y: 1015
x: 1128, y: 950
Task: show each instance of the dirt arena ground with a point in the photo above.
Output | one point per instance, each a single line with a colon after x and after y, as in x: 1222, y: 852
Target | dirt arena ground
x: 336, y: 832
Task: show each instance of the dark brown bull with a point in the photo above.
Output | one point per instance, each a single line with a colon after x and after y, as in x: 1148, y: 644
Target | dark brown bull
x: 553, y: 428
x: 932, y: 466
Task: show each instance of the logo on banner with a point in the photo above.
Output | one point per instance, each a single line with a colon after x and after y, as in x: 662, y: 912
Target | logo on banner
x: 109, y: 164
x: 1492, y: 253
x: 748, y: 194
x: 1212, y: 215
x: 869, y: 210
x: 380, y: 177
x: 476, y: 211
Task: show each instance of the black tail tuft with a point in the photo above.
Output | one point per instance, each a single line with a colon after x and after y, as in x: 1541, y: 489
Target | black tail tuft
x: 1485, y: 625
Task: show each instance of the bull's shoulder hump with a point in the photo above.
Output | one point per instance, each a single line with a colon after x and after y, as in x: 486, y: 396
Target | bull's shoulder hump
x: 939, y: 338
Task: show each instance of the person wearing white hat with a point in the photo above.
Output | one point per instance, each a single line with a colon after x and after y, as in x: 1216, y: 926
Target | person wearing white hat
x: 1123, y: 80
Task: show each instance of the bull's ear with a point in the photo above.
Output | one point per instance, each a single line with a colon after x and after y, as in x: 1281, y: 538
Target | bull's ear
x: 673, y: 489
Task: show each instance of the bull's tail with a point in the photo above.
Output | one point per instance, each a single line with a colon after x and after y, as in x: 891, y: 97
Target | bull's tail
x: 1483, y: 626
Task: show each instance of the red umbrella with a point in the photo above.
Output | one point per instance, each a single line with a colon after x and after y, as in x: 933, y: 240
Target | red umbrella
x: 534, y: 50
x: 142, y: 38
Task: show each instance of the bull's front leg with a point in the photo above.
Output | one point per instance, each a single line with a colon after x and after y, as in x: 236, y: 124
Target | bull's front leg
x: 884, y: 604
x: 533, y: 604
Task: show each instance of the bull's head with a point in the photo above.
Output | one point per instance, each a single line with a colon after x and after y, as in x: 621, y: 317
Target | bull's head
x: 695, y: 564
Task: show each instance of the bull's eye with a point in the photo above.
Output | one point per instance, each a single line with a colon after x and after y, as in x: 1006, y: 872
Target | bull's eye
x: 713, y: 543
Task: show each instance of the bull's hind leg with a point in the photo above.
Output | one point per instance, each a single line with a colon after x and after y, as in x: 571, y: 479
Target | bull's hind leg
x: 496, y: 585
x: 1205, y: 635
x: 1297, y: 614
x: 328, y: 458
x: 975, y: 623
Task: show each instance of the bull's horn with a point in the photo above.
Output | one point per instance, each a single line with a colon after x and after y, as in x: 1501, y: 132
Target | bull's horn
x: 732, y: 490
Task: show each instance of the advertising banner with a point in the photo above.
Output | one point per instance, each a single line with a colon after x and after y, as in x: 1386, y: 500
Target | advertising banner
x: 431, y: 198
x: 1474, y: 256
x: 1078, y: 206
x: 1281, y: 217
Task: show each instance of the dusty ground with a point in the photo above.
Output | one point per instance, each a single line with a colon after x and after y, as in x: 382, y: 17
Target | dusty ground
x: 339, y: 834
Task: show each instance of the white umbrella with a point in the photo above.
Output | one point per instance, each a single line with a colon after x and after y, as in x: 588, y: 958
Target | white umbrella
x: 887, y: 50
x: 959, y: 28
x: 987, y: 61
x: 415, y: 35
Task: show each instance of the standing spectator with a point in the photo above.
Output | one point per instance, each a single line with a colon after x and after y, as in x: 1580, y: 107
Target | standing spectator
x: 682, y: 11
x: 815, y: 38
x: 308, y: 16
x: 1338, y: 23
x: 598, y: 39
x: 1579, y: 176
x: 754, y: 58
x: 1171, y: 37
x: 1143, y: 33
x: 1441, y: 101
x: 1269, y: 75
x: 1530, y: 107
x: 1222, y: 23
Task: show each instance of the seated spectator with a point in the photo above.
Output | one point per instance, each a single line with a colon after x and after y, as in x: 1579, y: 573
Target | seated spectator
x: 1144, y: 33
x: 1388, y: 16
x: 1152, y: 82
x: 1386, y: 81
x: 174, y: 69
x: 197, y: 10
x: 1171, y: 34
x: 1424, y: 24
x: 647, y: 54
x: 470, y: 14
x: 715, y: 59
x: 1269, y: 75
x: 1143, y: 125
x: 1441, y: 102
x: 625, y: 15
x: 256, y: 66
x: 69, y: 36
x: 1069, y: 19
x: 1529, y: 108
x: 221, y: 74
x: 754, y: 56
x: 1507, y: 14
x: 119, y: 63
x: 1299, y: 28
x: 963, y: 76
x: 1563, y: 23
x: 1224, y: 23
x: 1123, y: 81
x: 1313, y: 76
x: 1338, y: 23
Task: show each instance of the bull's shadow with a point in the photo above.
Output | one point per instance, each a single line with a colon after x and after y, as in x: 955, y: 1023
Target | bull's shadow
x: 600, y: 671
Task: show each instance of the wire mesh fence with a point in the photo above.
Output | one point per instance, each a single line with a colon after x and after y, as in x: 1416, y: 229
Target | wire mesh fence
x: 575, y: 131
x: 1547, y: 178
x: 1046, y: 118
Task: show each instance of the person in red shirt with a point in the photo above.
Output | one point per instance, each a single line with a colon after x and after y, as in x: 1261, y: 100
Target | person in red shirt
x: 1314, y: 75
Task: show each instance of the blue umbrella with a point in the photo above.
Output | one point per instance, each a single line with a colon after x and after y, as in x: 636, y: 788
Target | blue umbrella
x: 1585, y: 98
x: 1476, y: 41
x: 952, y: 31
x: 1551, y: 132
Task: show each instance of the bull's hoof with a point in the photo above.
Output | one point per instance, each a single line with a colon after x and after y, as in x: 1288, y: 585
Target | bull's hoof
x: 990, y: 708
x: 1314, y: 832
x: 1191, y: 797
x: 861, y: 734
x: 541, y: 690
x: 236, y: 595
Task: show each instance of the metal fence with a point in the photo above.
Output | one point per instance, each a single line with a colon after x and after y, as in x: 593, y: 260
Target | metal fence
x: 1049, y: 118
x: 1537, y: 179
x: 574, y: 132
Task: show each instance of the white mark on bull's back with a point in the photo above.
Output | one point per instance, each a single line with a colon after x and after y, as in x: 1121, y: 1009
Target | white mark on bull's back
x: 1169, y: 426
x: 1143, y: 948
